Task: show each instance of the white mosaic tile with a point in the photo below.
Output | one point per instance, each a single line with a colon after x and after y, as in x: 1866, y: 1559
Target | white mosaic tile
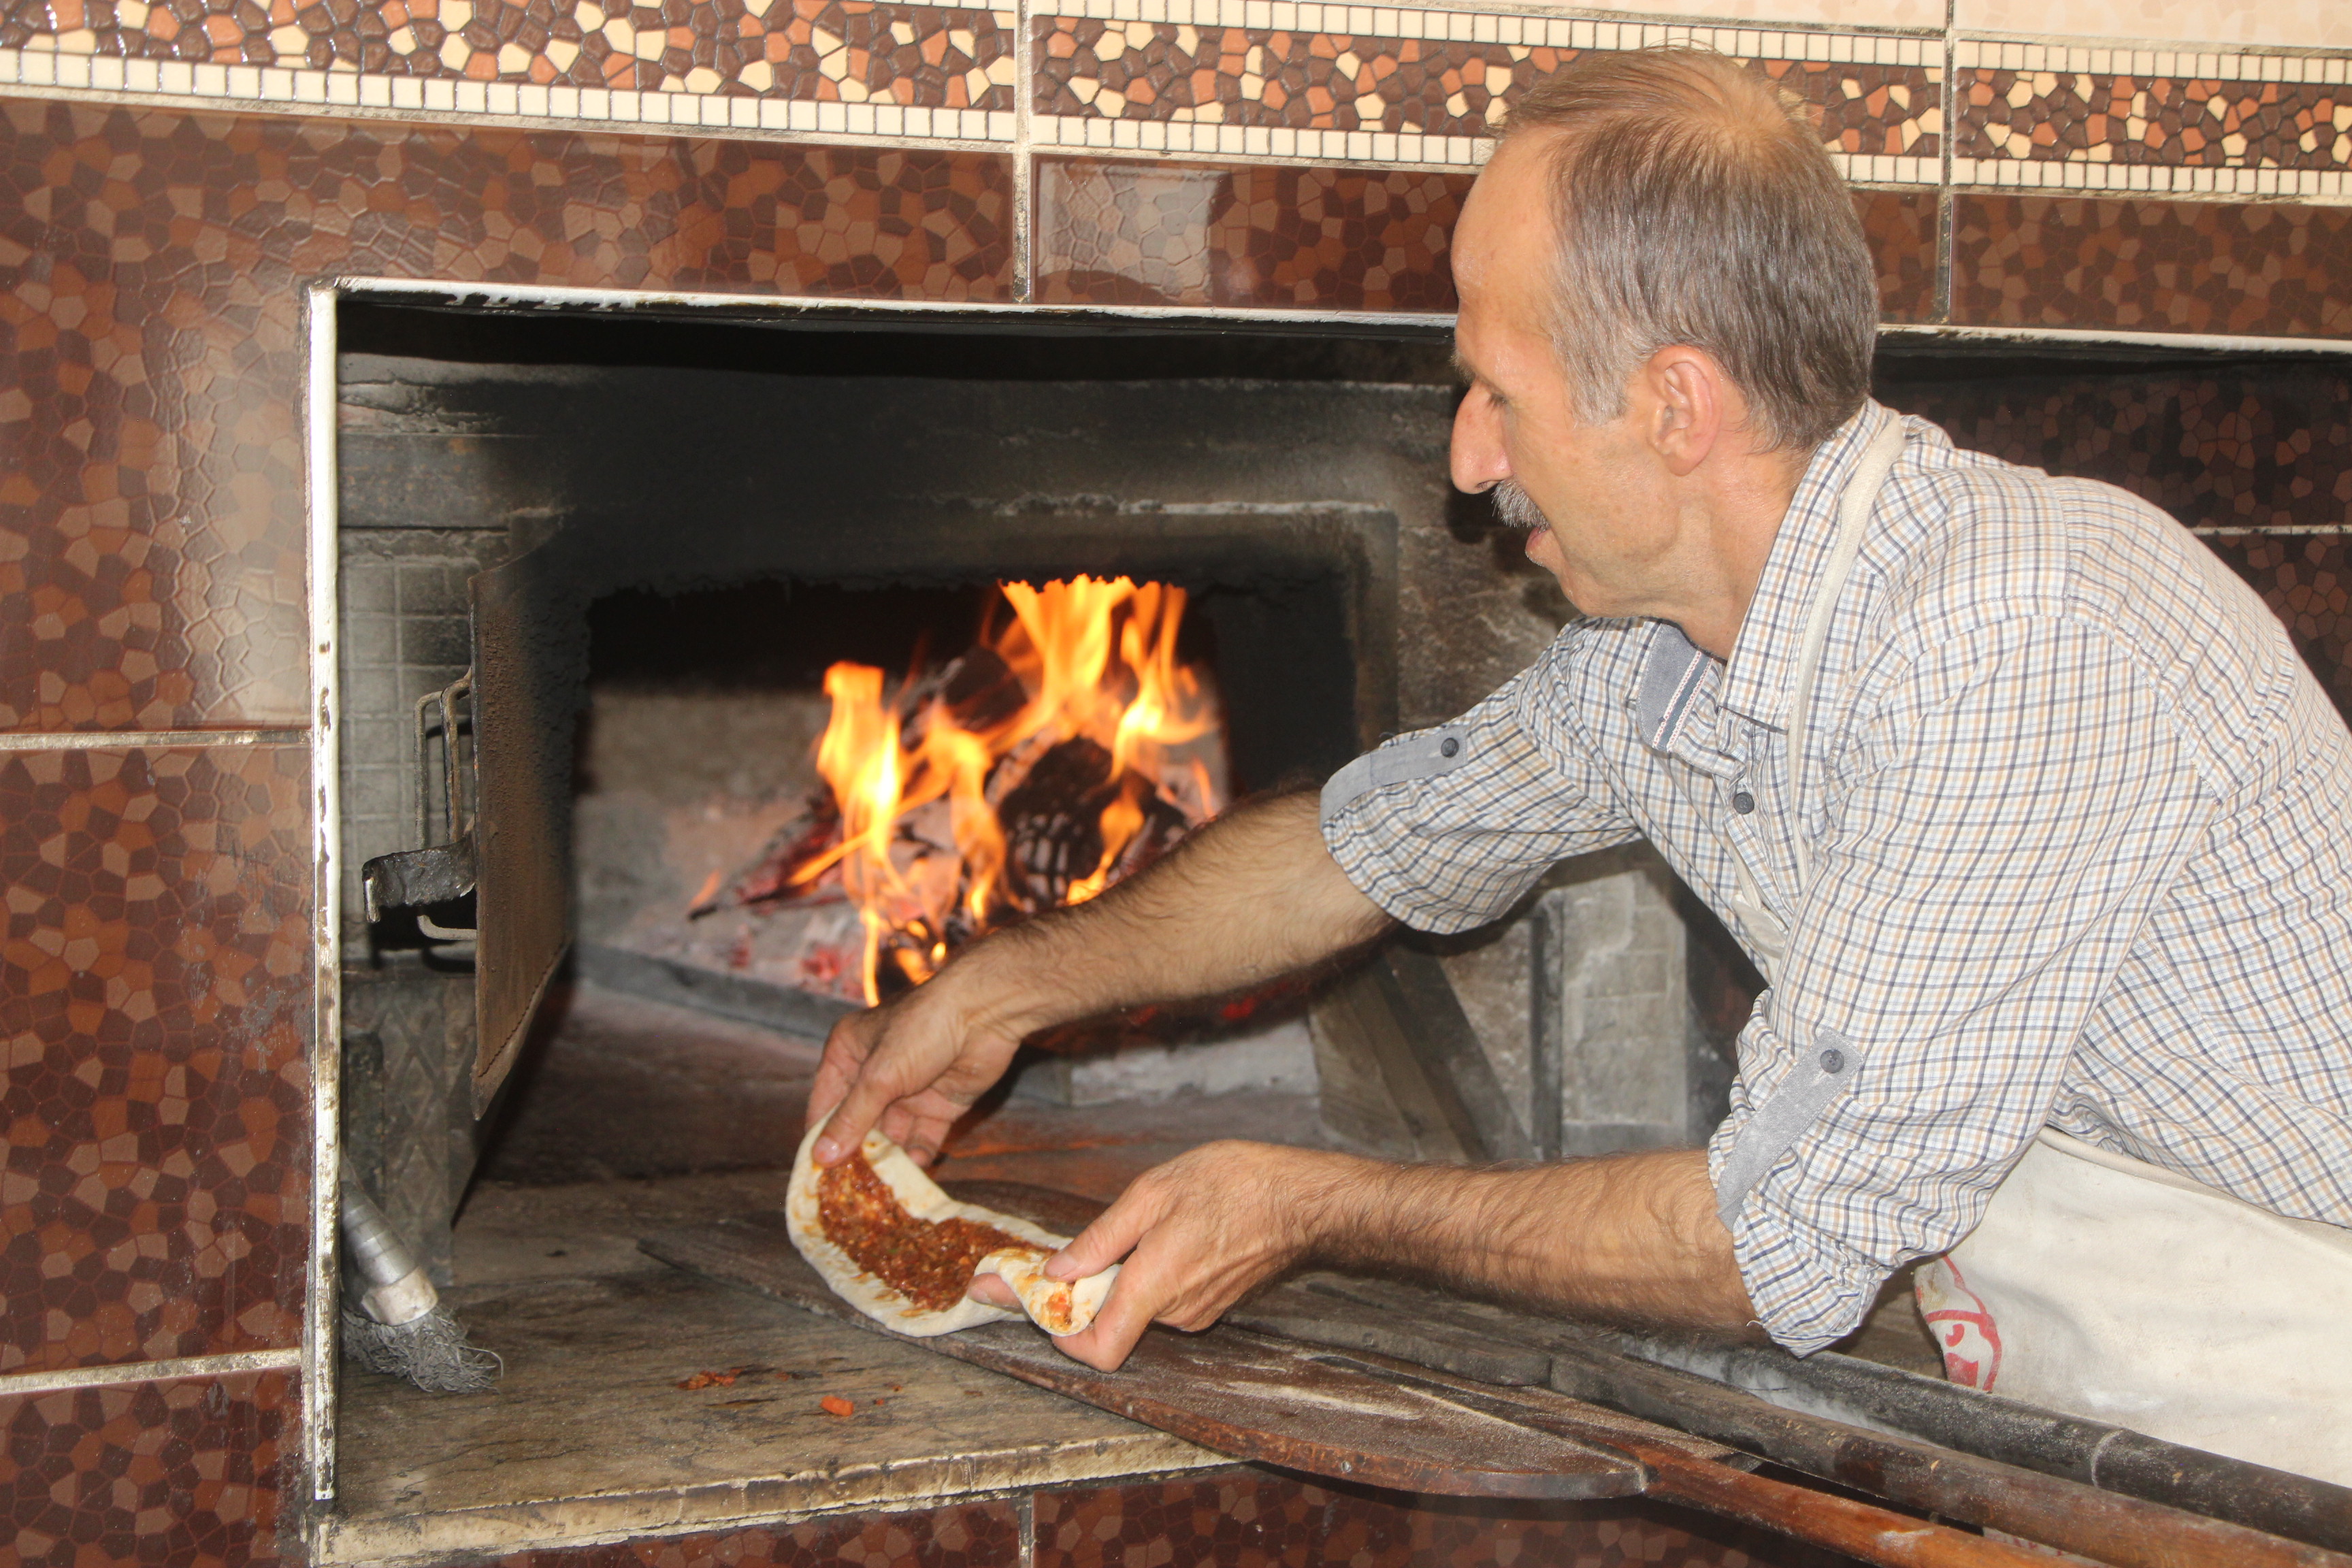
x: 344, y: 89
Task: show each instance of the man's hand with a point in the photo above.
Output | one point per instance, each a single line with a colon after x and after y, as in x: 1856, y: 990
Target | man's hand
x: 913, y: 1066
x: 1198, y: 1234
x: 1630, y: 1237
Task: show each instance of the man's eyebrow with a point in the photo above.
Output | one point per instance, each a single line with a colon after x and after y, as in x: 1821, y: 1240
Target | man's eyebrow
x: 1462, y: 368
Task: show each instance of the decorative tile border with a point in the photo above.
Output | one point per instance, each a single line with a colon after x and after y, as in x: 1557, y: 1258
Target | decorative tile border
x: 1272, y: 79
x: 1429, y: 76
x: 280, y: 88
x: 2037, y: 116
x: 828, y: 51
x: 2187, y: 122
x: 1996, y: 54
x: 2310, y: 185
x: 1277, y: 142
x: 1284, y: 143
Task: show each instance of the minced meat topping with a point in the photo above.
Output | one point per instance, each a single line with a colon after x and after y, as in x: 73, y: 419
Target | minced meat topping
x: 929, y: 1263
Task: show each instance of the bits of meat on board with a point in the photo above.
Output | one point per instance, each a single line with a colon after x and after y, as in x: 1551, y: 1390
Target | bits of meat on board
x: 724, y: 1379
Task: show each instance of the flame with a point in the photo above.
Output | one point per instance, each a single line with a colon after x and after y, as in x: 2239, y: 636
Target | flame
x: 1096, y: 661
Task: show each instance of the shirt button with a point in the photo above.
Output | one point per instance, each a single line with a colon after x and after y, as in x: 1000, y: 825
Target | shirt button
x: 1450, y: 747
x: 1742, y: 801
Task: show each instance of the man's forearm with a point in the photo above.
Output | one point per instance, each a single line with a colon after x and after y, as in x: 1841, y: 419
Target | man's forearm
x: 1252, y: 896
x: 1631, y: 1236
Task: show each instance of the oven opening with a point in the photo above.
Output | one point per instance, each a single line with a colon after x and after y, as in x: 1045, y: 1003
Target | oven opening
x: 704, y: 682
x: 609, y: 584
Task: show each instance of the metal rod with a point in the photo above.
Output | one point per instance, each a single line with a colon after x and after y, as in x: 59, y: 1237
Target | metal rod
x: 2112, y: 1459
x: 1860, y: 1529
x: 1749, y: 1398
x: 2124, y: 1531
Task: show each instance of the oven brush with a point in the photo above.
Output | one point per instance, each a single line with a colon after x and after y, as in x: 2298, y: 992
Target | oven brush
x: 403, y: 1329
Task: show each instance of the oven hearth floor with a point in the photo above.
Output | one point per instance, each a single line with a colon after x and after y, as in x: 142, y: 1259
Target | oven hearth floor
x: 588, y: 1435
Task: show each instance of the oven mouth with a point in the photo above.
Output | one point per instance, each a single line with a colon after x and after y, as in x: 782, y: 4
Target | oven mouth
x: 435, y: 463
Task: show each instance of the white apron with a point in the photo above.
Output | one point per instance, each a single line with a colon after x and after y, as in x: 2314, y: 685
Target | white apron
x: 2107, y: 1287
x: 2098, y: 1284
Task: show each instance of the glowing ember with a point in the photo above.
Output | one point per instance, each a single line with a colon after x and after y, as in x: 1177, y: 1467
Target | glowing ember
x: 1069, y: 749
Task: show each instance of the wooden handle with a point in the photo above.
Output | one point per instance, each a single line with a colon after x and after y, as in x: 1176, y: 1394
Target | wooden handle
x: 1857, y: 1528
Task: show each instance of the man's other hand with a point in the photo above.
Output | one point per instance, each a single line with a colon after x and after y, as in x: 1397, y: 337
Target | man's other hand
x: 1198, y: 1234
x: 1251, y: 896
x: 913, y: 1066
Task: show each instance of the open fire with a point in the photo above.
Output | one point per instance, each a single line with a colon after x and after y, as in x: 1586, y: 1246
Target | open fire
x: 1069, y: 748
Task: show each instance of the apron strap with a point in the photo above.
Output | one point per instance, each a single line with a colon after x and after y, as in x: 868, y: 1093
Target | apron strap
x: 1855, y: 507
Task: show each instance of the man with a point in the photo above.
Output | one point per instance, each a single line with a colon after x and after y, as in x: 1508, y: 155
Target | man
x: 2023, y: 805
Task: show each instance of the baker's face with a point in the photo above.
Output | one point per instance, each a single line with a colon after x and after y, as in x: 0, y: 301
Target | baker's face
x: 1587, y: 493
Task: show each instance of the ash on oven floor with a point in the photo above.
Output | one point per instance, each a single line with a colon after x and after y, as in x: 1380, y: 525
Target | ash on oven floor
x: 638, y: 1117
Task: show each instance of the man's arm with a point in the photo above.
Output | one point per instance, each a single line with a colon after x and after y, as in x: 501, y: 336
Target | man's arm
x: 1632, y: 1237
x: 1250, y: 897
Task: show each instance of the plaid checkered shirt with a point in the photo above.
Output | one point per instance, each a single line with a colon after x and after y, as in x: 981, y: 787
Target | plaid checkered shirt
x: 2076, y: 814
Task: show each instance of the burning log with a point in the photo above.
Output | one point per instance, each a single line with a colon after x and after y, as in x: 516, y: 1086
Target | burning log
x: 1069, y: 749
x: 1054, y: 823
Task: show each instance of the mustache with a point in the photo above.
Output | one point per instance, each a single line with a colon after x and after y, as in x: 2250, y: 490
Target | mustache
x: 1515, y: 507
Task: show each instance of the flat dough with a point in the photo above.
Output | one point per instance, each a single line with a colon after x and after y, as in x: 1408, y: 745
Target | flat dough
x: 1060, y: 1308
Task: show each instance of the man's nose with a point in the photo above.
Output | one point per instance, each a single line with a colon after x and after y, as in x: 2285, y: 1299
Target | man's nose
x: 1479, y: 460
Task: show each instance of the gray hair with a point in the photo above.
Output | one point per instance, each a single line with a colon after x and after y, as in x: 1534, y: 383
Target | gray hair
x: 1696, y: 205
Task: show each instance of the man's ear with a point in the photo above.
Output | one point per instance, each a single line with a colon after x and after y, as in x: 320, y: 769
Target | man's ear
x: 1692, y: 404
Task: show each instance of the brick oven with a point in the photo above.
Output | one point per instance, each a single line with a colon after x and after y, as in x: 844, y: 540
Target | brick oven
x: 318, y: 316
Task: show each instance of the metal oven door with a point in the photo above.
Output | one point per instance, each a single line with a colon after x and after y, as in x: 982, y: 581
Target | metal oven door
x: 506, y: 742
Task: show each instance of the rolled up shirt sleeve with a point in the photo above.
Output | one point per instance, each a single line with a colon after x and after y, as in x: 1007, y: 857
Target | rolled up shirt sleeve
x: 1447, y: 828
x: 1998, y: 829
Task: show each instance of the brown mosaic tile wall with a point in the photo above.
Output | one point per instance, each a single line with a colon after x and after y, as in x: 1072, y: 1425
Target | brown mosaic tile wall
x: 2184, y: 122
x: 154, y: 1007
x: 2268, y: 451
x: 829, y: 51
x: 2254, y: 448
x: 185, y: 1474
x: 1250, y: 1517
x: 2152, y: 265
x: 1115, y: 233
x: 2308, y: 579
x: 1337, y: 81
x: 1901, y: 228
x: 973, y: 1535
x: 151, y: 532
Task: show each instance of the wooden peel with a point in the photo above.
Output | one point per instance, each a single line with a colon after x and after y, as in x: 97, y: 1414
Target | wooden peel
x: 1232, y: 1391
x: 1363, y: 1418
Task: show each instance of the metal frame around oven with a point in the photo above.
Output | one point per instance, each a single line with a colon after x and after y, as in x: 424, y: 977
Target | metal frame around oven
x: 321, y: 300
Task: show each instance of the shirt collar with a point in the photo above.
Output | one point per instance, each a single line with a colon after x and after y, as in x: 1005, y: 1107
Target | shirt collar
x: 1764, y: 656
x: 1671, y: 710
